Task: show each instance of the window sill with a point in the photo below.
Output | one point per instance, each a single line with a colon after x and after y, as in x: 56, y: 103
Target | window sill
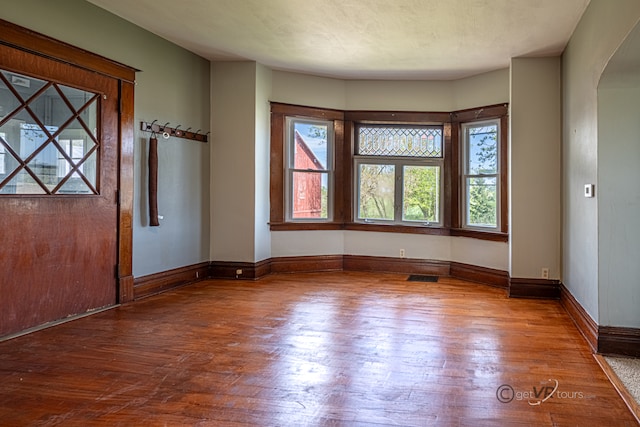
x: 286, y: 226
x: 391, y: 228
x: 494, y: 236
x: 395, y: 228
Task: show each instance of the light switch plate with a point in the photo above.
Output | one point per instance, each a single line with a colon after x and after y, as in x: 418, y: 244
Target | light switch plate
x: 589, y: 190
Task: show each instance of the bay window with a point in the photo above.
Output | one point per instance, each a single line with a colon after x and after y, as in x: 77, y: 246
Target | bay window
x: 403, y: 172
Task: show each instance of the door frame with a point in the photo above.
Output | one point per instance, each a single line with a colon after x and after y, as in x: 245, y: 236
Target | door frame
x: 35, y: 43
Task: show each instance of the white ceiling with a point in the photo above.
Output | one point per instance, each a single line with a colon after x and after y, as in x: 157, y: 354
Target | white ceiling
x: 362, y: 39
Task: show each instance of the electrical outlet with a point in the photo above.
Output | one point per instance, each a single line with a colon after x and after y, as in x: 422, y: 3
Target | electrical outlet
x: 402, y: 253
x: 239, y: 272
x: 545, y: 273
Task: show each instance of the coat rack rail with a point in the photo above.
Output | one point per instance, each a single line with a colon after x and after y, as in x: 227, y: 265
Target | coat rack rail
x: 166, y: 131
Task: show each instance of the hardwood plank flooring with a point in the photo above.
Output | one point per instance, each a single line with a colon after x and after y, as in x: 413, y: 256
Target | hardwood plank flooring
x: 317, y: 349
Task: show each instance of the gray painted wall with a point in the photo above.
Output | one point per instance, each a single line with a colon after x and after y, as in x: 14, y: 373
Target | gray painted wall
x: 600, y: 32
x: 618, y: 192
x: 534, y: 167
x: 173, y: 85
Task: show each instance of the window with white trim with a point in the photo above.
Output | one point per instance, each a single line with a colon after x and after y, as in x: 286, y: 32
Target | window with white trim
x: 398, y: 174
x: 480, y: 187
x: 309, y: 169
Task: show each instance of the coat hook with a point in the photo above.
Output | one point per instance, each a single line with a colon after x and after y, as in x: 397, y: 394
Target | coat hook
x: 150, y: 126
x: 175, y: 131
x: 198, y: 131
x: 165, y: 125
x: 187, y: 131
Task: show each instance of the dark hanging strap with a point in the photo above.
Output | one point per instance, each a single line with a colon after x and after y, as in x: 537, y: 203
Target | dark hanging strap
x: 153, y: 181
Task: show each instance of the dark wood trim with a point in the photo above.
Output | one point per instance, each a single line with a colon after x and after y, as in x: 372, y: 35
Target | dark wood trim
x: 287, y: 226
x: 299, y: 264
x: 484, y: 275
x: 39, y: 44
x: 317, y: 263
x: 534, y: 288
x: 450, y: 174
x: 276, y: 169
x: 504, y: 172
x: 585, y: 324
x: 619, y: 340
x: 166, y: 280
x: 482, y: 235
x: 338, y: 172
x: 480, y: 113
x: 614, y: 340
x: 229, y: 270
x: 397, y: 116
x: 395, y: 265
x: 348, y: 149
x: 305, y: 111
x: 125, y: 194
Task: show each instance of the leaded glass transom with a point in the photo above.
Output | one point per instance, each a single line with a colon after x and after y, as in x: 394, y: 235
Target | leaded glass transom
x: 404, y: 141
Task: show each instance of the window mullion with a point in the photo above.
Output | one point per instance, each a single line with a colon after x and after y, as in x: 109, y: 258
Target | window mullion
x: 398, y: 192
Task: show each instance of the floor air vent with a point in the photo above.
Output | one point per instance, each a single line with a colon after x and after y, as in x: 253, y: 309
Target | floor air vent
x: 422, y: 278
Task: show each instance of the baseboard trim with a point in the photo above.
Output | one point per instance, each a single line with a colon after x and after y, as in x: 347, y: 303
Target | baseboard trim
x: 230, y: 269
x: 308, y: 264
x: 318, y: 263
x: 617, y: 340
x: 159, y: 282
x: 534, y: 288
x: 484, y: 275
x: 585, y: 324
x: 395, y: 265
x: 126, y: 285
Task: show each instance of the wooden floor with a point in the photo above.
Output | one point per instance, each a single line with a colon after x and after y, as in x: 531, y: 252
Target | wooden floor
x: 322, y: 349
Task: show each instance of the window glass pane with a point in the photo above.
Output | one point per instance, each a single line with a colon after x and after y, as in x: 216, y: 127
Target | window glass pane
x: 482, y: 154
x: 24, y: 85
x: 32, y: 163
x: 310, y: 195
x: 481, y: 202
x: 412, y: 141
x: 310, y: 148
x: 22, y: 183
x: 376, y: 191
x: 421, y: 193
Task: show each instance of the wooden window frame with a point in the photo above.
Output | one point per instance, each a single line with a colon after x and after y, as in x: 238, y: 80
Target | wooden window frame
x: 345, y: 126
x: 279, y: 114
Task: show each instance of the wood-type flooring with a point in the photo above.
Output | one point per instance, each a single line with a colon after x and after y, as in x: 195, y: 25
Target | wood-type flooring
x: 314, y: 349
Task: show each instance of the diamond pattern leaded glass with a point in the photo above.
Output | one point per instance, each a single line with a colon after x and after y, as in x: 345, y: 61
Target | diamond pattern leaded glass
x: 48, y: 137
x: 405, y: 141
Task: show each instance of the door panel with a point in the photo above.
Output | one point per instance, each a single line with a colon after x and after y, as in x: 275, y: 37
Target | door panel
x: 58, y: 182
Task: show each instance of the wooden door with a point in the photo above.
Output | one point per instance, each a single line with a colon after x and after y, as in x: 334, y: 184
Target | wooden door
x: 58, y: 190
